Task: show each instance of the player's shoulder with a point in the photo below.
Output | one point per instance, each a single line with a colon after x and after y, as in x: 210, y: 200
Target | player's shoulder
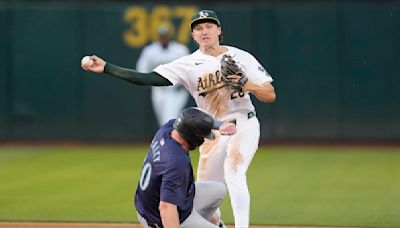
x: 237, y: 51
x: 197, y: 55
x: 173, y: 154
x: 170, y: 148
x: 241, y: 55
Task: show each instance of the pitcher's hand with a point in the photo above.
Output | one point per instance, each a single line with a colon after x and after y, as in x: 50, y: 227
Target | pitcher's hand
x: 97, y: 65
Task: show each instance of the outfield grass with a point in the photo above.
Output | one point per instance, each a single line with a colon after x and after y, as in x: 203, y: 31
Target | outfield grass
x: 337, y: 186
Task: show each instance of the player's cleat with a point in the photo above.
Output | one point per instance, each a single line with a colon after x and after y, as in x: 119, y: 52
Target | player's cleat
x: 221, y: 224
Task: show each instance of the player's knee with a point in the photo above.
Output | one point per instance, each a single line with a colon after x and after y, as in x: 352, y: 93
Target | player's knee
x: 220, y: 190
x: 235, y: 176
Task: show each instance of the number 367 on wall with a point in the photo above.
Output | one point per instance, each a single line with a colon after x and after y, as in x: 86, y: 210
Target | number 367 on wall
x: 144, y: 24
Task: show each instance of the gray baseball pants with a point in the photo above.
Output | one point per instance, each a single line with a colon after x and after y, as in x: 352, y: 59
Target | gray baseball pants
x: 209, y: 195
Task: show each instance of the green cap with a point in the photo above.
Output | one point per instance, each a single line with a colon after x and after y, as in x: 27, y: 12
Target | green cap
x: 204, y: 15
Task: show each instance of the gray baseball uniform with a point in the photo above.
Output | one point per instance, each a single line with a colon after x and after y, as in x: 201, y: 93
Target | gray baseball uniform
x: 167, y: 175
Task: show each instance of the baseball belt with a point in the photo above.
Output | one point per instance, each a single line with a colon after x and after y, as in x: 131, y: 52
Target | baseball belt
x: 249, y: 116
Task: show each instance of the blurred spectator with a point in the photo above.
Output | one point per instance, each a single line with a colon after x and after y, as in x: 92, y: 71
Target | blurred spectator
x: 168, y: 101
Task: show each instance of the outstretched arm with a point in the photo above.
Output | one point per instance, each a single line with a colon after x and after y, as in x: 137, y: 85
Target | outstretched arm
x: 98, y: 65
x: 133, y: 76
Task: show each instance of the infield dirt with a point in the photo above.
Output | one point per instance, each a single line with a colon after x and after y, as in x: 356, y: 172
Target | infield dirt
x: 111, y: 225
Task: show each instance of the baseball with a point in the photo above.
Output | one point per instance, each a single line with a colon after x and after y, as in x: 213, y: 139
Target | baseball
x: 87, y: 61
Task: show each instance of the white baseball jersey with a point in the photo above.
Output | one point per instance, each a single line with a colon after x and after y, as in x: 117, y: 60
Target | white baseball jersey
x: 200, y: 74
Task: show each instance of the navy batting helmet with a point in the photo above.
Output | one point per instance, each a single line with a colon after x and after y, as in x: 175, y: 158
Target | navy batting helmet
x: 194, y: 125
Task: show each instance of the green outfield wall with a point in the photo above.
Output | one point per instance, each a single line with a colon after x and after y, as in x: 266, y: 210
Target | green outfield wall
x: 3, y: 74
x: 335, y: 67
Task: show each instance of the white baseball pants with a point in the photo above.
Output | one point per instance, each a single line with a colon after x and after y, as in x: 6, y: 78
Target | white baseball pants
x: 227, y: 158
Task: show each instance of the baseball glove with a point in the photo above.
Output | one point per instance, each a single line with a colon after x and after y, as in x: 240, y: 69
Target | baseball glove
x: 228, y: 68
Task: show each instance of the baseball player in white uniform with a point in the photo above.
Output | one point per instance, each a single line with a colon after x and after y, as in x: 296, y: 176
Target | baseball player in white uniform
x: 227, y: 158
x: 167, y: 101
